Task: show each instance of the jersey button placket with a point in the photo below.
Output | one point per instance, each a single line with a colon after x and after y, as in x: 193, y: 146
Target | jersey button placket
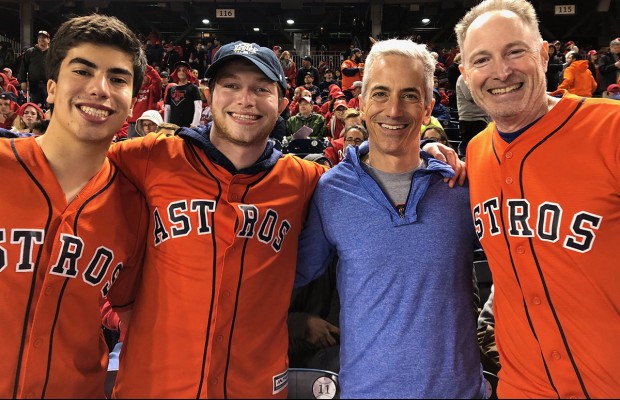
x: 556, y: 355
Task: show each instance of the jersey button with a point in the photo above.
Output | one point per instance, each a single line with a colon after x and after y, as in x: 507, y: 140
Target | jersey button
x: 220, y: 338
x: 508, y: 154
x: 536, y: 300
x: 213, y: 381
x: 520, y: 250
x: 233, y: 197
x: 556, y: 355
x: 48, y: 290
x: 509, y: 180
x: 226, y: 293
x: 37, y: 343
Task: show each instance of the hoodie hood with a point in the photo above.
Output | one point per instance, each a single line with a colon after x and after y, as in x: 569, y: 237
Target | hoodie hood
x: 22, y: 108
x: 579, y: 65
x: 151, y: 115
x: 5, y: 81
x: 190, y: 77
x: 200, y: 137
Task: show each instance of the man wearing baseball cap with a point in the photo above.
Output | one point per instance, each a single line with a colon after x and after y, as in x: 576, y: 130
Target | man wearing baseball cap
x: 183, y: 104
x: 313, y: 123
x: 355, y: 89
x: 209, y: 317
x: 32, y: 71
x: 7, y: 111
x: 306, y: 67
x: 613, y: 91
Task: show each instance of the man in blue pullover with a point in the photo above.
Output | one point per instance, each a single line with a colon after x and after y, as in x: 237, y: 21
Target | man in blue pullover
x: 408, y: 327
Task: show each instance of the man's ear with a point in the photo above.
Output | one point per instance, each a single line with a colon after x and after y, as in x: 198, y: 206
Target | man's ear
x: 51, y: 91
x: 463, y: 71
x: 133, y: 103
x: 544, y: 54
x: 208, y: 95
x: 283, y: 105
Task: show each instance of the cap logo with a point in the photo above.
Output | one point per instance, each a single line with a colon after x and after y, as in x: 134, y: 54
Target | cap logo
x: 245, y: 48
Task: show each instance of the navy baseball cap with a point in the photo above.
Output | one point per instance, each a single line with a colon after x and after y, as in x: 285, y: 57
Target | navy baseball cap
x: 8, y: 96
x: 263, y: 57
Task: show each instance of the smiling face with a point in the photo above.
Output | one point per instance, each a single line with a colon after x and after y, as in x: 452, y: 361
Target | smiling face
x: 394, y: 108
x: 245, y: 105
x: 92, y: 96
x: 504, y: 64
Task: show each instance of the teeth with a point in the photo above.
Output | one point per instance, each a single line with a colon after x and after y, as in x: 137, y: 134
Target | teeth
x: 392, y: 127
x: 95, y: 112
x: 245, y: 117
x: 505, y: 90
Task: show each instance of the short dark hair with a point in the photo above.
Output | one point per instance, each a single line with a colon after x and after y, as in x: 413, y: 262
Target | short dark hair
x: 360, y: 128
x: 96, y: 29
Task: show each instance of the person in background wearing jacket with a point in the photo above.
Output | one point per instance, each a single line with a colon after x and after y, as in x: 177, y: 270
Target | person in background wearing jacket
x: 148, y: 96
x: 578, y: 79
x: 183, y: 104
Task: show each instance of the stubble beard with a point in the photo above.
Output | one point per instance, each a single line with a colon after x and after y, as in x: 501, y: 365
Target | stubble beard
x: 222, y: 131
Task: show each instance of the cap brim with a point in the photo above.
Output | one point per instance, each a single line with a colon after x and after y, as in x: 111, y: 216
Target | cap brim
x: 263, y: 68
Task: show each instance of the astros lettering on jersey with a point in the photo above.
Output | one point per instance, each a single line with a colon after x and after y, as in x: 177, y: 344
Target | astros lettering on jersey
x: 58, y: 261
x: 546, y: 208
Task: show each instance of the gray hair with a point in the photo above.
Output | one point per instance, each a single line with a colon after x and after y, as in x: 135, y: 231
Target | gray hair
x: 406, y: 48
x: 522, y: 8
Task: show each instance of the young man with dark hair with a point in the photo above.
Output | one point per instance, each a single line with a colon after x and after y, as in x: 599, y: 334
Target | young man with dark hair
x: 70, y: 221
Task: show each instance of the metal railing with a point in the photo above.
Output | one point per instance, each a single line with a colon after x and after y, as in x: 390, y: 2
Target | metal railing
x: 332, y: 58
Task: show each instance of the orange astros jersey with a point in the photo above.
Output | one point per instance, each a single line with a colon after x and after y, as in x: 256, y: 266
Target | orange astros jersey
x: 547, y: 211
x: 57, y: 262
x: 210, y: 314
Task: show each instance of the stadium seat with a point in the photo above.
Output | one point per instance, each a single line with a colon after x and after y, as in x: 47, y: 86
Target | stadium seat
x: 308, y: 383
x: 491, y: 383
x: 303, y: 147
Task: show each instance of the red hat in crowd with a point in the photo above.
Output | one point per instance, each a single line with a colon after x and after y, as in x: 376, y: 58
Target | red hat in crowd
x: 22, y: 108
x: 613, y: 88
x: 277, y: 48
x: 356, y: 84
x: 592, y: 53
x: 339, y: 103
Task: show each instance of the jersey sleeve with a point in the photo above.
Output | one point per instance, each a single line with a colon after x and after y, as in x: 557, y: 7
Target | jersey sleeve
x: 122, y: 293
x: 133, y: 157
x: 315, y: 251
